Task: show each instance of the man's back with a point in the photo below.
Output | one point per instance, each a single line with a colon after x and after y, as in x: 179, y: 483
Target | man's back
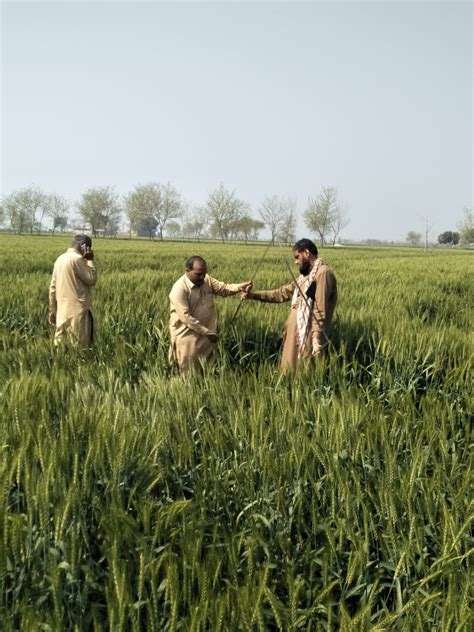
x: 73, y: 278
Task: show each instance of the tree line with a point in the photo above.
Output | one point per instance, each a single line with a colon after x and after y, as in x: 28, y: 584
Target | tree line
x: 154, y: 209
x: 464, y: 235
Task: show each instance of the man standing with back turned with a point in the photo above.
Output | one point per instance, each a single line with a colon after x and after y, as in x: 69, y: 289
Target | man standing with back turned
x: 193, y: 314
x: 70, y: 305
x: 313, y: 299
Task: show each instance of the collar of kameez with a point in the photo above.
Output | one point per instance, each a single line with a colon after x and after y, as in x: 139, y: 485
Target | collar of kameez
x: 189, y: 284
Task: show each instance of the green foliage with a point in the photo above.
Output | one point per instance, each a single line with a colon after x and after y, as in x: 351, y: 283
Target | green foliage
x: 24, y: 209
x: 448, y: 238
x: 466, y: 227
x: 242, y: 499
x: 99, y: 208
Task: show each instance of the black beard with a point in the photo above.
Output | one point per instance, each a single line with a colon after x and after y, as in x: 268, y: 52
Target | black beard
x: 305, y: 268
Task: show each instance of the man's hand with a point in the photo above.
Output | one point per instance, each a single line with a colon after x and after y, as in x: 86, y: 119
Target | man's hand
x: 88, y: 253
x: 52, y: 319
x: 213, y: 337
x: 246, y: 286
x: 245, y: 292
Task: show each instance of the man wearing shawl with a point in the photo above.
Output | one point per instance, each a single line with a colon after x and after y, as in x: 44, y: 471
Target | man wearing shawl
x: 313, y: 299
x: 70, y: 305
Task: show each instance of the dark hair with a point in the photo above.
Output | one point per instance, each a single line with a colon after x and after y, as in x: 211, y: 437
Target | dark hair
x: 81, y: 240
x: 190, y: 262
x: 306, y: 244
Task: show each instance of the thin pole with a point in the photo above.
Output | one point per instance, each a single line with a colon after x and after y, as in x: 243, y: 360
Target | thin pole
x: 259, y: 265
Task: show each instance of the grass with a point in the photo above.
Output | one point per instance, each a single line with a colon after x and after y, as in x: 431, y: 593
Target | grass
x: 242, y: 499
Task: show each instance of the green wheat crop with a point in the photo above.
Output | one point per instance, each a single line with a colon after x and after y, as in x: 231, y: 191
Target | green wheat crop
x: 240, y: 499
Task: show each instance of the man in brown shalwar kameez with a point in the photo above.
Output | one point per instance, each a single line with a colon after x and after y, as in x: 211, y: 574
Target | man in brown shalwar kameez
x: 70, y: 305
x: 193, y: 314
x: 313, y: 299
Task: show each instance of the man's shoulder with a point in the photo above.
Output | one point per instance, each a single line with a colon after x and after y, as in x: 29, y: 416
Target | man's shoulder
x: 324, y: 269
x: 180, y: 284
x: 69, y: 255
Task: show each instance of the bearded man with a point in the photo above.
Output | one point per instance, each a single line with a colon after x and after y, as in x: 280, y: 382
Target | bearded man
x: 313, y: 299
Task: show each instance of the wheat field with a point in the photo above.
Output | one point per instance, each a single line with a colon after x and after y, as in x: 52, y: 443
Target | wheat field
x: 339, y: 498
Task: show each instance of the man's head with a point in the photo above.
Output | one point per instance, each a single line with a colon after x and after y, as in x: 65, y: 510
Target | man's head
x: 81, y: 243
x: 196, y: 270
x: 305, y: 254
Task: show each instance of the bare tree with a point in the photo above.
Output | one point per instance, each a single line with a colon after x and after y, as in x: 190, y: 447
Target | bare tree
x: 321, y: 211
x: 427, y: 226
x: 224, y: 209
x: 466, y: 227
x: 271, y: 213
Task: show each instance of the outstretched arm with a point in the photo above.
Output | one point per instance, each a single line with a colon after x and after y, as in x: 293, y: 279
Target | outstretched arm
x: 228, y: 289
x: 278, y: 295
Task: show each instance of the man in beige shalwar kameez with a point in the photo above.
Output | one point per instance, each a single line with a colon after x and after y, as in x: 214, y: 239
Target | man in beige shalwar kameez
x: 193, y: 314
x: 313, y: 299
x: 70, y: 305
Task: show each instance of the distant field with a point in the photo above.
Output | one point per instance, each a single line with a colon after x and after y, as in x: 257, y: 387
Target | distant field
x: 337, y: 499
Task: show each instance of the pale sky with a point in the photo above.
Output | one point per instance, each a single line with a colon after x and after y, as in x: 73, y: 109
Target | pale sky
x: 374, y: 98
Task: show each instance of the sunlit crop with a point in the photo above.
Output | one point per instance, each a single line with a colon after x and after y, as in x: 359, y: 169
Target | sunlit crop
x: 241, y: 499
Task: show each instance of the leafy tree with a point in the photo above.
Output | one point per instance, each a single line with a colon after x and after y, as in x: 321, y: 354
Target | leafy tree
x: 224, y: 209
x: 142, y: 205
x: 100, y: 209
x: 448, y: 238
x: 23, y: 207
x: 14, y: 213
x: 58, y: 211
x: 414, y: 238
x: 174, y: 229
x: 247, y: 228
x: 324, y: 215
x: 287, y: 229
x: 466, y: 227
x: 195, y: 224
x: 171, y: 207
x: 150, y: 206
